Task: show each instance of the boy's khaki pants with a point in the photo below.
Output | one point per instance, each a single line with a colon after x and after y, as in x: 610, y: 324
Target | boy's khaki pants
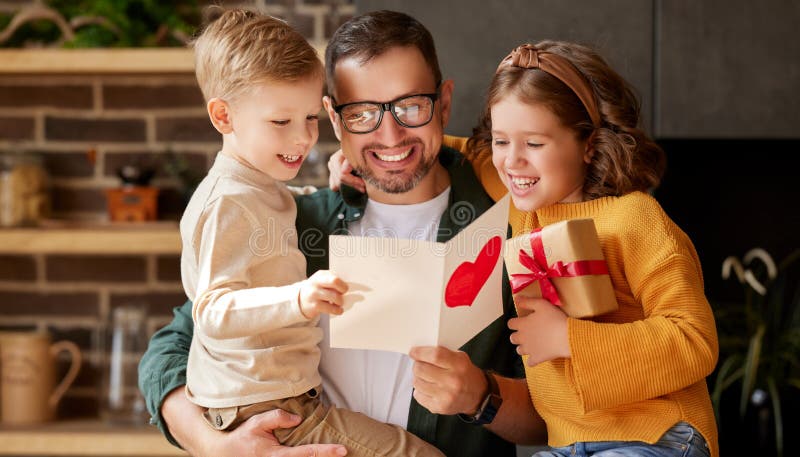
x: 323, y: 424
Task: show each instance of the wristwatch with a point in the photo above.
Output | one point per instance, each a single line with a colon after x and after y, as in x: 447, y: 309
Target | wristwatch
x: 489, y: 406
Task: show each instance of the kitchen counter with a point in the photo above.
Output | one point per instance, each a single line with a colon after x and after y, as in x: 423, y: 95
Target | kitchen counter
x: 84, y: 438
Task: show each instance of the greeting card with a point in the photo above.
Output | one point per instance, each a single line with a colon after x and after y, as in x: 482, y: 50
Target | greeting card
x: 406, y: 293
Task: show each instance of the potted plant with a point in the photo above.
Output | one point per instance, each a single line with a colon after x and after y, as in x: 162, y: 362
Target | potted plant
x: 100, y: 23
x: 760, y: 344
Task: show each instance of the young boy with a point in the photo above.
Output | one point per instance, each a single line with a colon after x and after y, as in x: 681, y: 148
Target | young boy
x: 256, y: 335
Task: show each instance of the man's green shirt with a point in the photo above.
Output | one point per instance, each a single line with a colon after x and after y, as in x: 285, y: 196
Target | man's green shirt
x: 163, y: 366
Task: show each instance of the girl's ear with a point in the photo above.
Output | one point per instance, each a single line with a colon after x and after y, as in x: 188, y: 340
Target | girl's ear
x: 588, y: 153
x: 220, y: 115
x: 332, y: 116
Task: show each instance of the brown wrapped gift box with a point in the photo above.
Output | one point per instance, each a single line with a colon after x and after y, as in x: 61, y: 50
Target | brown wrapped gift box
x: 567, y: 241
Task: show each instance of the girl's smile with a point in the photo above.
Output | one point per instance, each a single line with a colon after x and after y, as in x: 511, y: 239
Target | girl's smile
x: 538, y: 159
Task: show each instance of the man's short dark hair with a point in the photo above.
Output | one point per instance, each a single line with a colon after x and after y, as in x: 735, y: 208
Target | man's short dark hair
x: 371, y: 34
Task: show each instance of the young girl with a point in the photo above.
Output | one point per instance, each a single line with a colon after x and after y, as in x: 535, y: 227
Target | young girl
x: 561, y: 127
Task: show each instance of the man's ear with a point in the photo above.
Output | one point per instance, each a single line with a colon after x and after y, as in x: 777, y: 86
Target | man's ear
x: 220, y: 115
x: 332, y: 116
x: 445, y: 97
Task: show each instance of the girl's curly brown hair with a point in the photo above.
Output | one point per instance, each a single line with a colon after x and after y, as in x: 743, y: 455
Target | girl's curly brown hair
x: 625, y: 159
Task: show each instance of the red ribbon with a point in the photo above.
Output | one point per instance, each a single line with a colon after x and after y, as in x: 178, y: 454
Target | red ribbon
x: 540, y: 271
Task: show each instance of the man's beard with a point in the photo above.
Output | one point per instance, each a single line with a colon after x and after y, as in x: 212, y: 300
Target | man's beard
x: 400, y: 182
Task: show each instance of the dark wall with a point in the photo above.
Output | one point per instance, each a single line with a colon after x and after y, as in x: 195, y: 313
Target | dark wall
x: 703, y: 69
x: 719, y: 82
x: 727, y: 69
x: 730, y: 196
x: 472, y: 36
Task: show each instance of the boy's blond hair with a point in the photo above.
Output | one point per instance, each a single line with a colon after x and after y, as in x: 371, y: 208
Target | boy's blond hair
x: 243, y: 48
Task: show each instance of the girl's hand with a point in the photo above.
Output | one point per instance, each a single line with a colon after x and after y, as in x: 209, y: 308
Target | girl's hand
x: 542, y: 333
x: 341, y: 173
x: 322, y: 293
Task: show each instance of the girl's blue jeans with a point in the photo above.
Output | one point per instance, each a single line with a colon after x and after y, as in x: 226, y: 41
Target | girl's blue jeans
x: 682, y: 440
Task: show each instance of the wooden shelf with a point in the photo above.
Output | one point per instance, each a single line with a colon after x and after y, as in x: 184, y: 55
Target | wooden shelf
x: 85, y: 438
x: 139, y: 60
x: 105, y: 60
x: 109, y: 238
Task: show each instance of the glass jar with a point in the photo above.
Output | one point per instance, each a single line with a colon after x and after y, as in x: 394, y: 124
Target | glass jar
x: 24, y: 197
x: 124, y: 343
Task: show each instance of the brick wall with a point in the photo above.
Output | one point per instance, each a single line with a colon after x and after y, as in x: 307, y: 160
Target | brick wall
x: 85, y: 127
x: 73, y: 295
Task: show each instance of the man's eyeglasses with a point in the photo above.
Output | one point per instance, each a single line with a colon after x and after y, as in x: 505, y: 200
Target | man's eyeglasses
x: 410, y: 111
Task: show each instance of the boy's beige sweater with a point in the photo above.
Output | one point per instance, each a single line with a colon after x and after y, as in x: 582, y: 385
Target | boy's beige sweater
x: 241, y: 268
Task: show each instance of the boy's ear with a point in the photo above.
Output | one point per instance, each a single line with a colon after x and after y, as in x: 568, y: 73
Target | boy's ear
x: 445, y: 97
x: 220, y: 115
x: 332, y: 116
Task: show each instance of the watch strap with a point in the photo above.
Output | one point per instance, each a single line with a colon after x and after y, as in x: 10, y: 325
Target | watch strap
x: 488, y: 408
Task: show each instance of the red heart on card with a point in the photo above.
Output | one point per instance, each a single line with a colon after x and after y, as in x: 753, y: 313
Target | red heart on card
x: 468, y: 279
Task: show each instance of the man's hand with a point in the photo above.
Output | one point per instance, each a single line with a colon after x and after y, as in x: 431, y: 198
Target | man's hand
x: 341, y: 173
x: 447, y: 382
x: 542, y: 333
x: 254, y: 438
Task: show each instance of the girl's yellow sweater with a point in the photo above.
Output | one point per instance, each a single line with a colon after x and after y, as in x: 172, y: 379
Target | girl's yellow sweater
x: 637, y: 371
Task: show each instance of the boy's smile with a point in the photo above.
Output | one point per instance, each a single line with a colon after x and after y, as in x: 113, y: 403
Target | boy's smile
x: 291, y: 161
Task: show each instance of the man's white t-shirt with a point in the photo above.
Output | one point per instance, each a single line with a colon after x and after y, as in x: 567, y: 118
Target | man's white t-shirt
x: 379, y: 383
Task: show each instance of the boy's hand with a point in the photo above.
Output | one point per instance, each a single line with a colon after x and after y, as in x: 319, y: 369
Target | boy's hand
x: 542, y: 333
x: 341, y: 173
x: 322, y: 293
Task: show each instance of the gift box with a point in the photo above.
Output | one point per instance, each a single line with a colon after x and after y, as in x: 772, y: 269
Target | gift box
x: 564, y: 264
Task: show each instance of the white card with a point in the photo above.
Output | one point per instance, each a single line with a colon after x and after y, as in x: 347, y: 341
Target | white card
x: 406, y: 293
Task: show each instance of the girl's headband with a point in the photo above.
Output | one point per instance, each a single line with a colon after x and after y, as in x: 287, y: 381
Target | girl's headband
x: 527, y: 56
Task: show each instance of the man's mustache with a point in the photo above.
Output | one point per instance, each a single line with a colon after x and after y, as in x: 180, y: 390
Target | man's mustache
x: 378, y: 146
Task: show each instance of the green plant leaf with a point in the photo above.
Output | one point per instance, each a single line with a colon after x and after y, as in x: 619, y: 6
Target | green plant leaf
x: 724, y: 380
x: 751, y: 368
x: 760, y: 341
x: 776, y: 411
x: 139, y: 22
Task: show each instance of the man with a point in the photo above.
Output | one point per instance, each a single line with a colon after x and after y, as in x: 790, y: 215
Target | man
x: 389, y: 107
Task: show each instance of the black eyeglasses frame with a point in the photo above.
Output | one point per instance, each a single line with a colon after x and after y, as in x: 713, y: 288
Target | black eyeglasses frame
x: 387, y: 106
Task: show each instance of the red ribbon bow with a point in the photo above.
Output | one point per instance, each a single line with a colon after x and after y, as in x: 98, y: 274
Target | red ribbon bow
x: 540, y: 271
